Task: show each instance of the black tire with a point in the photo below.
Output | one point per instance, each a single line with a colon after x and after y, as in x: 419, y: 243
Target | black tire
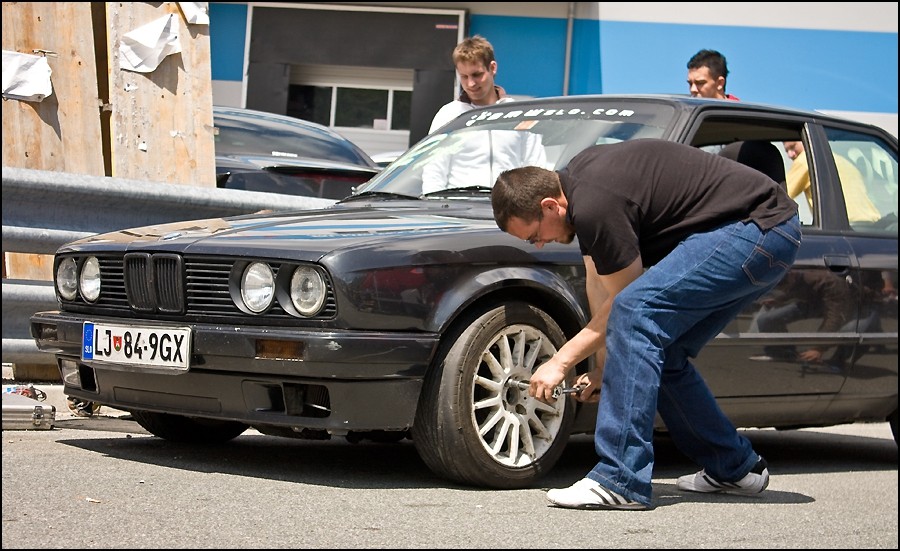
x: 473, y: 424
x: 179, y: 428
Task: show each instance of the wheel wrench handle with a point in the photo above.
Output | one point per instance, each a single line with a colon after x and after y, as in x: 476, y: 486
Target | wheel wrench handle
x: 567, y: 390
x: 557, y: 392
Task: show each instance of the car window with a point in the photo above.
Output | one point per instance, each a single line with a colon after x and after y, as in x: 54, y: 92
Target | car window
x: 722, y: 135
x: 867, y: 169
x: 799, y: 176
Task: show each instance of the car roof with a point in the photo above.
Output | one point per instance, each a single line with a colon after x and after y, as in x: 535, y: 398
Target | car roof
x: 682, y: 100
x: 272, y: 119
x: 277, y: 123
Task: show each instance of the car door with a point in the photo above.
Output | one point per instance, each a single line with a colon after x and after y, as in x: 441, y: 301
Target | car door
x: 866, y: 165
x: 784, y: 348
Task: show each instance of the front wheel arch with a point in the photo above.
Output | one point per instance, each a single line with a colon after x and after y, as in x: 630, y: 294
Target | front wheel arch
x: 544, y: 290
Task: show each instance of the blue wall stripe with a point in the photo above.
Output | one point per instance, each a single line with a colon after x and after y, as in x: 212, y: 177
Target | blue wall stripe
x: 811, y: 69
x: 530, y: 52
x: 804, y: 68
x: 227, y: 36
x: 587, y: 68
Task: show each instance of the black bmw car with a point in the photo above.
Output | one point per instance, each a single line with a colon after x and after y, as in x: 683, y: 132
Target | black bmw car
x: 404, y: 312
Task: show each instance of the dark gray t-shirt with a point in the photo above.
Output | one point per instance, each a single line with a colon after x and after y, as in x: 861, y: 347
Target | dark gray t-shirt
x: 646, y: 196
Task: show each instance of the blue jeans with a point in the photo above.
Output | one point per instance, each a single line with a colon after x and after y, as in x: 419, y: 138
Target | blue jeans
x: 657, y: 324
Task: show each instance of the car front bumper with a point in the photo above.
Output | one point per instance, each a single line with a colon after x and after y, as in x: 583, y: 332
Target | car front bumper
x: 336, y: 381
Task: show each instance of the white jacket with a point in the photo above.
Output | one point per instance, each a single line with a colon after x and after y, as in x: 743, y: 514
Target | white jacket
x: 452, y: 110
x: 479, y: 156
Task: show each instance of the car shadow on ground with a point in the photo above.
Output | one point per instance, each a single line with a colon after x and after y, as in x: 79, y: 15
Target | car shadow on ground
x: 786, y: 451
x: 366, y: 464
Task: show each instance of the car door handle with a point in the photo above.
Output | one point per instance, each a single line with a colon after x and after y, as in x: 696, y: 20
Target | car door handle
x: 839, y: 264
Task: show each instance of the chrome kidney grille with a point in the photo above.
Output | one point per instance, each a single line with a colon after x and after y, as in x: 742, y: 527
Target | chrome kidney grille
x: 155, y: 282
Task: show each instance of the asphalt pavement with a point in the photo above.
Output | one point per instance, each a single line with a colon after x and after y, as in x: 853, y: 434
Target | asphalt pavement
x: 104, y: 482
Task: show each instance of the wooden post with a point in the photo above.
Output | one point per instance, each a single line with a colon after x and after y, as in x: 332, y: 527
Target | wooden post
x: 101, y: 119
x: 162, y: 121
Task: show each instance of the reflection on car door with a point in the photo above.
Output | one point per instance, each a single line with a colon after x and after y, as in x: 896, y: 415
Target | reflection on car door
x: 797, y: 343
x: 873, y: 367
x: 798, y: 338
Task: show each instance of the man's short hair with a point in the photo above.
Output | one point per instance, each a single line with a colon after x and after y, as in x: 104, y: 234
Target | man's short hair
x: 712, y: 59
x: 475, y: 49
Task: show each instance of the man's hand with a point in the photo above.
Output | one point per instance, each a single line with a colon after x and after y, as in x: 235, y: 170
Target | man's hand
x: 811, y: 356
x: 590, y: 383
x: 550, y: 375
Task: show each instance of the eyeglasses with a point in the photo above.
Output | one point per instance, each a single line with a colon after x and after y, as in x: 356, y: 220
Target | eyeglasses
x: 534, y: 239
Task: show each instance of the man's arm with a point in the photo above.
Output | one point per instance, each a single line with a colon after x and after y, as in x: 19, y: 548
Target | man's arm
x: 597, y: 296
x: 797, y: 179
x: 445, y: 114
x: 601, y: 291
x: 436, y: 174
x: 838, y: 307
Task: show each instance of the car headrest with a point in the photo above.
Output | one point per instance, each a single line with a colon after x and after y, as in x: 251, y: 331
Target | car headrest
x: 761, y: 155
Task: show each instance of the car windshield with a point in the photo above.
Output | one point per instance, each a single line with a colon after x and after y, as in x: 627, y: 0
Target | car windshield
x: 465, y: 158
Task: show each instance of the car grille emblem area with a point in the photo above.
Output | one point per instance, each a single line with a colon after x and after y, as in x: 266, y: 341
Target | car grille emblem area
x: 154, y: 282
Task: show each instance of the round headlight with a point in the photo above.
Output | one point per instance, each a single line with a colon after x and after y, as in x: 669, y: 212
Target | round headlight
x: 258, y: 287
x: 89, y: 280
x: 307, y: 291
x: 67, y: 278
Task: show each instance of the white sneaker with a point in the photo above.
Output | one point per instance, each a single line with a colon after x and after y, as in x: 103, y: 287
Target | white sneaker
x: 587, y: 494
x: 753, y: 483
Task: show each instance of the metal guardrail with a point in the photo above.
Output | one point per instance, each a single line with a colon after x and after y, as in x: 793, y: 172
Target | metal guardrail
x: 43, y: 210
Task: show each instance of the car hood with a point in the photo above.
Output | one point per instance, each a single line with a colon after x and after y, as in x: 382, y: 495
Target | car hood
x: 394, y: 232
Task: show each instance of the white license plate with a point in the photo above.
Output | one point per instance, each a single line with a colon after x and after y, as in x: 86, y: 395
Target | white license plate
x: 136, y: 345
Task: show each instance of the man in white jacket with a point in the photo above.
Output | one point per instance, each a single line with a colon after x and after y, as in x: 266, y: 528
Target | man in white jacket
x: 476, y: 67
x: 479, y: 156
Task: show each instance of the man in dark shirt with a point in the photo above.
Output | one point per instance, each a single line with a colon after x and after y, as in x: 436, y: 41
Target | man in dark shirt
x: 713, y: 236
